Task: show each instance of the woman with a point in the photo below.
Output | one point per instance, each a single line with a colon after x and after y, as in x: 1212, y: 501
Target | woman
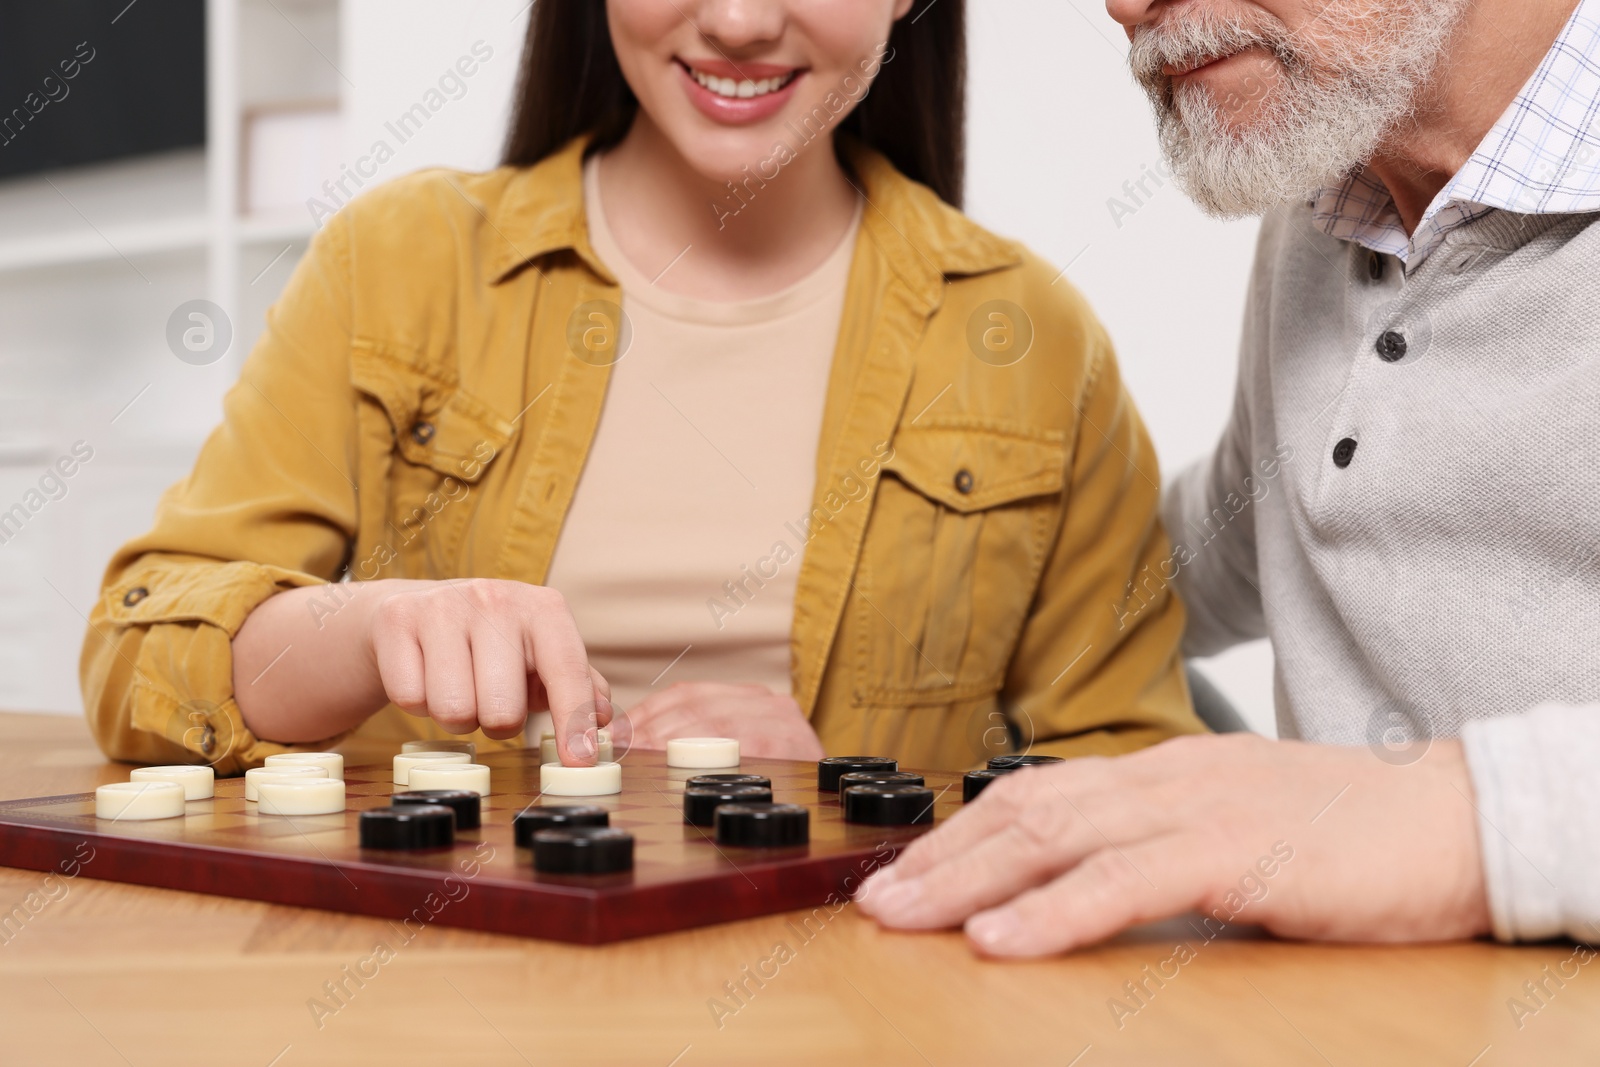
x: 709, y: 403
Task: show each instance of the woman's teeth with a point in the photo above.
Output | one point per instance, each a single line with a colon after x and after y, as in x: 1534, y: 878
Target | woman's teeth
x: 741, y: 90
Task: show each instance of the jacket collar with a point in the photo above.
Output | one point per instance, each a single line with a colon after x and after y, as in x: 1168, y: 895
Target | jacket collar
x: 540, y: 213
x: 924, y: 240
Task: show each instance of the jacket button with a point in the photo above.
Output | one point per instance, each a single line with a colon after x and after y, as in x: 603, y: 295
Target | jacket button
x: 1344, y: 452
x: 963, y: 481
x: 1391, y: 346
x: 421, y: 432
x: 134, y: 595
x: 1375, y: 266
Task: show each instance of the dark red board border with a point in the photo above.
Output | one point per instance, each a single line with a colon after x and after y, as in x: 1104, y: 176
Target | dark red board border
x: 577, y: 914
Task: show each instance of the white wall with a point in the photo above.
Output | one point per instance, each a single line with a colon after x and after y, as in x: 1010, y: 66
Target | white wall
x: 1057, y: 127
x: 396, y: 52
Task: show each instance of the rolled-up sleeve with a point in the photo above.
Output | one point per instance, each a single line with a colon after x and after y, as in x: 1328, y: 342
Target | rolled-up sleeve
x: 270, y: 505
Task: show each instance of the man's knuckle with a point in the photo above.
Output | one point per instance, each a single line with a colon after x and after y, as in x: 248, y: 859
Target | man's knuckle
x: 1017, y: 791
x: 1112, y: 872
x: 1043, y: 826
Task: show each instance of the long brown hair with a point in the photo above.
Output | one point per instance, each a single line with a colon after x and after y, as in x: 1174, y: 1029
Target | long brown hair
x: 570, y: 84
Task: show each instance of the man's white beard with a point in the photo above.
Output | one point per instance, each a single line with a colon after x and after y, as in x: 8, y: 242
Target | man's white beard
x: 1324, y: 104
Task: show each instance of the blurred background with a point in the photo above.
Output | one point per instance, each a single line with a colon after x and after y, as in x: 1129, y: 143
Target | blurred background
x: 163, y: 164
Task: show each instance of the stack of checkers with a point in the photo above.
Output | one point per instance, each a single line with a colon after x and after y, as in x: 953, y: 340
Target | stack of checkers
x: 421, y: 818
x: 429, y: 765
x: 291, y: 783
x: 154, y: 793
x: 573, y: 839
x: 874, y: 791
x: 299, y: 783
x: 740, y: 811
x: 975, y: 782
x: 438, y: 792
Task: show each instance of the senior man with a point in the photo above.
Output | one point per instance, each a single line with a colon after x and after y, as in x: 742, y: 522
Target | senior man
x: 1406, y: 500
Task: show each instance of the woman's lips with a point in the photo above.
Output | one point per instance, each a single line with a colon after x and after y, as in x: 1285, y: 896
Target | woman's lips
x: 760, y: 89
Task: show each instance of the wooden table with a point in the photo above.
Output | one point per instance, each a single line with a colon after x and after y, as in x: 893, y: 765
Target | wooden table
x: 100, y: 973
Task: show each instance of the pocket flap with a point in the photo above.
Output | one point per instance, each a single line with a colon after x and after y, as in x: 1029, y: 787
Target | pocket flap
x: 972, y: 464
x: 436, y: 423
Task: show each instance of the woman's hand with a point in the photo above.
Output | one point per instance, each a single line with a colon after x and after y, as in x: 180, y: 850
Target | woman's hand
x: 482, y: 653
x: 764, y: 723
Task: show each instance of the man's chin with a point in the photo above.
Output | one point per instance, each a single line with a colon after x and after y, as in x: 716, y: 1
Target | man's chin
x: 1227, y: 205
x: 1236, y: 189
x: 1234, y: 170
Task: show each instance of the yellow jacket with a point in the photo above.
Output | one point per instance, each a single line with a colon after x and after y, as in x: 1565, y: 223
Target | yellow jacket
x: 984, y: 537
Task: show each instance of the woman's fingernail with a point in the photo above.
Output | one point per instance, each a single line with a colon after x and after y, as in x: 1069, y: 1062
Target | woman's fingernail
x: 581, y: 746
x: 993, y: 930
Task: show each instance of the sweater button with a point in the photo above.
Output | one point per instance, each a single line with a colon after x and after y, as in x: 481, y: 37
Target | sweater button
x: 1375, y: 266
x: 134, y: 595
x: 963, y: 481
x: 1391, y: 346
x: 1344, y: 452
x: 422, y: 432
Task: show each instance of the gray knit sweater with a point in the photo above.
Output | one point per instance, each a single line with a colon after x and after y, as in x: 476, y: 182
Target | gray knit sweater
x: 1407, y: 501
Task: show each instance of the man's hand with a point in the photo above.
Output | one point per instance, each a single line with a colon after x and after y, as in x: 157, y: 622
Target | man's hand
x: 1309, y: 841
x: 764, y: 723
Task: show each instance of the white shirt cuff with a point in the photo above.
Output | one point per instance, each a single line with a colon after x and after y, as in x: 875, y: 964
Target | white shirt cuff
x: 1538, y: 799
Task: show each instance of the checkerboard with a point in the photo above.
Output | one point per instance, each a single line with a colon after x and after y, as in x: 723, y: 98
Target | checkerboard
x: 681, y: 877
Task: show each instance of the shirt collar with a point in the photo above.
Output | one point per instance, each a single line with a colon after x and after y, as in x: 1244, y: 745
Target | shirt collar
x: 1541, y: 157
x: 923, y: 239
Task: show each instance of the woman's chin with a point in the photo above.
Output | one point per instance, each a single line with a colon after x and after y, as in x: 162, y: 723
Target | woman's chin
x: 747, y: 156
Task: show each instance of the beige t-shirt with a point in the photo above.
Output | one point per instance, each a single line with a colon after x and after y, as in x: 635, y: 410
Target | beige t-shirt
x: 682, y: 545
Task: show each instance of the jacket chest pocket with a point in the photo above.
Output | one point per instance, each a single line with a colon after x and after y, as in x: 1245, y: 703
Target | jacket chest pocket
x: 425, y: 445
x: 962, y: 520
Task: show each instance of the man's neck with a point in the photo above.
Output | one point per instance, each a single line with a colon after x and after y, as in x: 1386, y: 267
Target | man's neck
x: 1495, y: 50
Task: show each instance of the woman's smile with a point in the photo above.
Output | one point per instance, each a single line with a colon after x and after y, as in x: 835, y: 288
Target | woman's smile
x: 738, y: 93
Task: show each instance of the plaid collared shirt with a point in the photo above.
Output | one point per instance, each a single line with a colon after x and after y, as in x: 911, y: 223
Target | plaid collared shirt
x: 1542, y: 157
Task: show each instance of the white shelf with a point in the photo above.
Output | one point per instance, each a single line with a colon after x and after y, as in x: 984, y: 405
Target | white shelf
x: 268, y: 229
x: 130, y: 207
x: 140, y: 207
x: 184, y: 234
x: 117, y: 242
